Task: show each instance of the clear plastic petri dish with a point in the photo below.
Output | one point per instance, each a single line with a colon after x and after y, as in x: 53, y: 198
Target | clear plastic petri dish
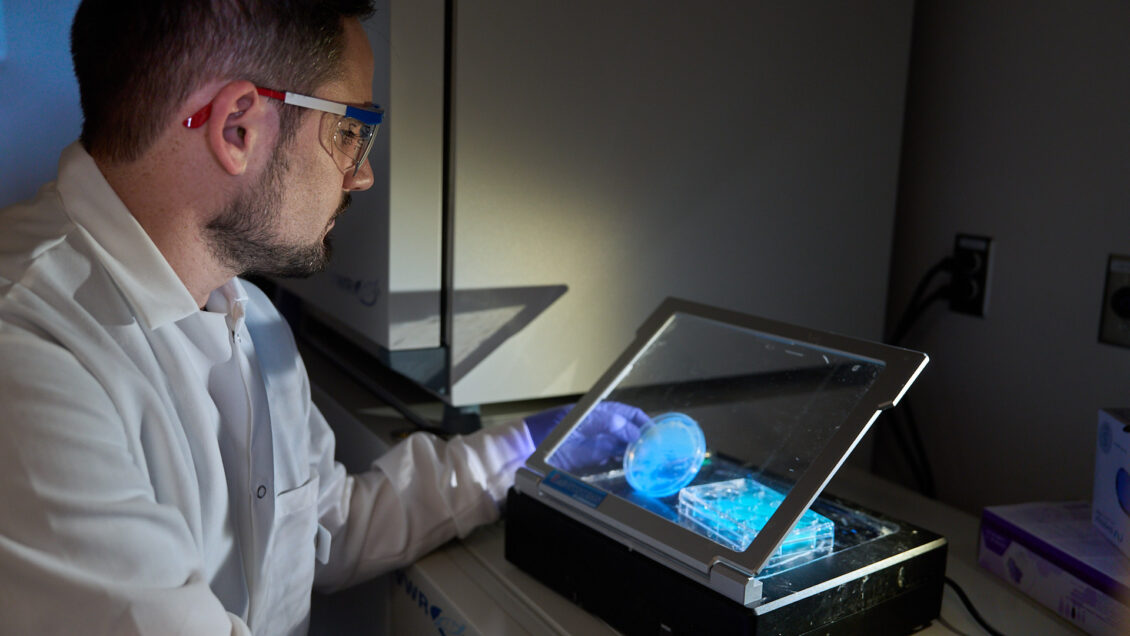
x: 666, y: 456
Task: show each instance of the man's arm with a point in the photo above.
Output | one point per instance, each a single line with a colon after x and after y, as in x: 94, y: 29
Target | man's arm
x: 420, y: 494
x: 84, y: 546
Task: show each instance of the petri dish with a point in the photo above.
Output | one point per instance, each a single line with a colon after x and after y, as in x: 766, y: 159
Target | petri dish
x: 666, y: 456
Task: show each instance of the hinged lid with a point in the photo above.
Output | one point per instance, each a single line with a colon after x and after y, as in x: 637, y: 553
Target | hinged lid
x: 708, y: 439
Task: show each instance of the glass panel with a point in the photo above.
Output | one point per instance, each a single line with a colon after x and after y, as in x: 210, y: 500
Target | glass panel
x: 728, y: 419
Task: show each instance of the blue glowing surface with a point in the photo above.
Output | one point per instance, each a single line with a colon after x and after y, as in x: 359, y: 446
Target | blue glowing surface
x: 666, y: 456
x: 733, y: 512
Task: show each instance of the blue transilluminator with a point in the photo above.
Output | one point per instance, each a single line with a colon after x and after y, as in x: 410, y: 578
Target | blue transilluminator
x: 666, y: 456
x: 733, y: 512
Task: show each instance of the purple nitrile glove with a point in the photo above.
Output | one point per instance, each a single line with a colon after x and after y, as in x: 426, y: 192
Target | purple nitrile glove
x: 600, y: 438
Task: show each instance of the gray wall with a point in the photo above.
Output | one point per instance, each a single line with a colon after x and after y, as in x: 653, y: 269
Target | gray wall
x: 1019, y: 128
x: 741, y: 154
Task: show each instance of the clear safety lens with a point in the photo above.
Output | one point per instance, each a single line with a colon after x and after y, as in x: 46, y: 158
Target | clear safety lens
x: 352, y: 141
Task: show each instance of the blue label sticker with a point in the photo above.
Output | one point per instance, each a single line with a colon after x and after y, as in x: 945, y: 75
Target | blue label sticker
x: 575, y: 488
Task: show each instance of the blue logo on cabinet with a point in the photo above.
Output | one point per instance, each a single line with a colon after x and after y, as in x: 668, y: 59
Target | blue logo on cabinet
x: 445, y: 625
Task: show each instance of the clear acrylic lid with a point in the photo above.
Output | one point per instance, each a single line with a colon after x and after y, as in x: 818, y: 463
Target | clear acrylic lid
x: 710, y: 437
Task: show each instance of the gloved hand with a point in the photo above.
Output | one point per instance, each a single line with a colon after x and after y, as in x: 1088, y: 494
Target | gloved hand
x: 599, y: 439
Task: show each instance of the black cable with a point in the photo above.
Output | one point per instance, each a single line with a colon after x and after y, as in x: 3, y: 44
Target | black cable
x: 926, y: 472
x: 972, y: 610
x: 904, y: 445
x: 906, y: 320
x: 923, y: 471
x: 915, y: 311
x: 905, y: 425
x: 918, y: 304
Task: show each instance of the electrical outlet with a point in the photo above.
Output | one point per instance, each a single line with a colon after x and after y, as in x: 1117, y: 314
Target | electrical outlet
x: 1114, y: 327
x: 969, y: 282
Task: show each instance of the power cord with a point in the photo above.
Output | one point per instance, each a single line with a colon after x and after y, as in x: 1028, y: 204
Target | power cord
x: 904, y: 428
x: 909, y: 440
x: 916, y: 306
x: 972, y: 610
x: 913, y: 447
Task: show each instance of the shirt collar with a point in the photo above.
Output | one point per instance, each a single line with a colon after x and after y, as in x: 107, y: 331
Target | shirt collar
x: 120, y: 244
x: 230, y: 300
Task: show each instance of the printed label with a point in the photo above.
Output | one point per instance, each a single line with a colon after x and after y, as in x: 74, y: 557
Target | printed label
x: 445, y: 624
x: 575, y: 488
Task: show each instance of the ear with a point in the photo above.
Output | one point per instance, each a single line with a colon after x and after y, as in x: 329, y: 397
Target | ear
x: 239, y: 126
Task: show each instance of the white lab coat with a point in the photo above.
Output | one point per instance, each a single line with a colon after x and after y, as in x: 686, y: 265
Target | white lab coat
x: 162, y: 468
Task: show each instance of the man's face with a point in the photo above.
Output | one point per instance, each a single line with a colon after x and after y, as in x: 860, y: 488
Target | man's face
x: 280, y: 226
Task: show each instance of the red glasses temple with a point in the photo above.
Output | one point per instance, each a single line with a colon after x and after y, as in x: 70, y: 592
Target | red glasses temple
x: 197, y: 119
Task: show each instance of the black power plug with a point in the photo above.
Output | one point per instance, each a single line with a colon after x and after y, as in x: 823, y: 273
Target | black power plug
x: 969, y: 282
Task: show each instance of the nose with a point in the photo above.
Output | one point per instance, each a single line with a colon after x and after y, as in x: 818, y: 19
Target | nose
x: 362, y: 180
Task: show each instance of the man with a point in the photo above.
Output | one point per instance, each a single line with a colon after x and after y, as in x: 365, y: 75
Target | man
x: 162, y: 468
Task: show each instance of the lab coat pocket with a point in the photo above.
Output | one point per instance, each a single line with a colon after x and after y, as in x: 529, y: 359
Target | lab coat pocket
x: 297, y: 499
x: 289, y: 573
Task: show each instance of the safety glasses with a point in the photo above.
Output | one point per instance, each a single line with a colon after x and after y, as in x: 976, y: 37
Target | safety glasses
x: 354, y: 128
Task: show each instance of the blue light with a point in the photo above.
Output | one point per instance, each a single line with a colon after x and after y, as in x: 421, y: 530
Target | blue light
x: 666, y: 456
x: 733, y: 512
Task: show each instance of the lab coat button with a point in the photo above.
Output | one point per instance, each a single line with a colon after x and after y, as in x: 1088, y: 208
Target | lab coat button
x: 262, y: 492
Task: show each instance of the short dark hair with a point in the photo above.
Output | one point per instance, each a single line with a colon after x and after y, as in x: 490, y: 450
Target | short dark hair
x: 138, y: 60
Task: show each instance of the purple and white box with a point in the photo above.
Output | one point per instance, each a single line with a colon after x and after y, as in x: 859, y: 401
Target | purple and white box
x: 1053, y: 553
x: 1111, y: 496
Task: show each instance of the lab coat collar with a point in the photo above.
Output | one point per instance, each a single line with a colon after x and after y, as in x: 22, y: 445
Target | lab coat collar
x: 120, y: 244
x: 230, y: 299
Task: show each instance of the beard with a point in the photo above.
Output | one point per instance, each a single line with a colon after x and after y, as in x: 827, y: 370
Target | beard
x: 243, y: 235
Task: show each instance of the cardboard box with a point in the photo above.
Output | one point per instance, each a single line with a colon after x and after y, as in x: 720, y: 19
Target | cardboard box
x: 1053, y: 553
x: 1111, y: 503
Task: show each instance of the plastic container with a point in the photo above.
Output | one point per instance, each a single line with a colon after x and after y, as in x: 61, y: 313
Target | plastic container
x: 733, y: 512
